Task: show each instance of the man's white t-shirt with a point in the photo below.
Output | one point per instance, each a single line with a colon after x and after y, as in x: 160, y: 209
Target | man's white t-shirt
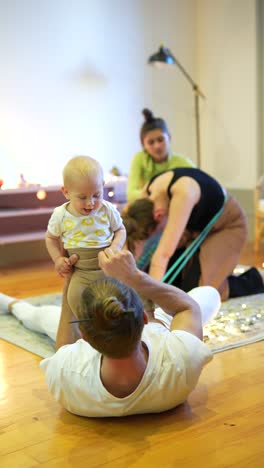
x: 175, y: 362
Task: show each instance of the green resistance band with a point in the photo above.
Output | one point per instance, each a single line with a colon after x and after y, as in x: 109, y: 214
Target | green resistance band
x: 187, y: 254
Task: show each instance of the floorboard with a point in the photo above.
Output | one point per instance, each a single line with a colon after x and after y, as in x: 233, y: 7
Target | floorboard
x: 220, y: 426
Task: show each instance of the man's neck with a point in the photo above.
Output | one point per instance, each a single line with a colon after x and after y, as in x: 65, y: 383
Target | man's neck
x: 122, y: 376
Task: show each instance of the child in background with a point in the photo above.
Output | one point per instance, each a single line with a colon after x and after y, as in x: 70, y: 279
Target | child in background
x: 83, y: 226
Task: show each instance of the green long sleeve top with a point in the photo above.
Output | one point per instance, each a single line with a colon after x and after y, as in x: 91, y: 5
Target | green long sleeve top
x: 143, y: 167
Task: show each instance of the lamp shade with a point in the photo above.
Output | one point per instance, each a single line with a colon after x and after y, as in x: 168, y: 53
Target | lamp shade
x: 163, y: 56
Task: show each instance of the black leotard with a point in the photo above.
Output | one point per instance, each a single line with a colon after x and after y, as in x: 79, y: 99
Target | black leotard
x: 212, y: 195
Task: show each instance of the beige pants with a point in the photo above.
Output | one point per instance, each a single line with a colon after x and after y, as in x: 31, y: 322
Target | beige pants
x: 221, y: 250
x: 86, y: 270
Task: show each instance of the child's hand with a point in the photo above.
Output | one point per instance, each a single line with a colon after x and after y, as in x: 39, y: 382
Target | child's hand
x: 63, y: 265
x: 112, y: 249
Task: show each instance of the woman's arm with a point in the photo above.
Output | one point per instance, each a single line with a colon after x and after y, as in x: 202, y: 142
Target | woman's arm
x: 135, y: 182
x: 185, y: 194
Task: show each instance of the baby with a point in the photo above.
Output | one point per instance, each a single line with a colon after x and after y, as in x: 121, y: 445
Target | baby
x: 83, y: 226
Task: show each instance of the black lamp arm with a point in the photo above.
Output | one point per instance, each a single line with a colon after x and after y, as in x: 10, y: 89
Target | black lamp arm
x: 189, y: 78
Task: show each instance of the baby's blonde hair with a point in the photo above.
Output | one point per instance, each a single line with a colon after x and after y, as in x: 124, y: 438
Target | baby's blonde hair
x: 81, y: 166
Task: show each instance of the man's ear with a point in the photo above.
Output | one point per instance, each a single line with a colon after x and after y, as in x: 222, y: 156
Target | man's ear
x: 158, y: 215
x: 65, y: 192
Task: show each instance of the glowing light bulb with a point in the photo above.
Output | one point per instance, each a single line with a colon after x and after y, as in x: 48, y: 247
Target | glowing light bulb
x: 41, y: 195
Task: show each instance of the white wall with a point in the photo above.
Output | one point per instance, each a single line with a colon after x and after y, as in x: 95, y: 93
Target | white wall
x: 172, y: 23
x: 226, y: 60
x: 74, y: 80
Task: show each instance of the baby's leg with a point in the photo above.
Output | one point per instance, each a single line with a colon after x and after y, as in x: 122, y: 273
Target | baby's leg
x: 79, y: 280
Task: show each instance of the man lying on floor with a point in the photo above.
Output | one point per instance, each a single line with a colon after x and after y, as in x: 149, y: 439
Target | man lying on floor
x: 113, y: 358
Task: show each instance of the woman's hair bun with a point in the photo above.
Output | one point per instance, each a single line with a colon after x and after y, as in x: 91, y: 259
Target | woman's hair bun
x: 149, y: 117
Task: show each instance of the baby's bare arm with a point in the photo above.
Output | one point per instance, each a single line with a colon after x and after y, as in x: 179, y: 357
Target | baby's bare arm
x: 119, y: 239
x: 62, y: 263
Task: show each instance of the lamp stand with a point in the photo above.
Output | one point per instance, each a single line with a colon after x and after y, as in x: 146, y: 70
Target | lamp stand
x: 197, y: 94
x: 164, y: 56
x: 197, y: 127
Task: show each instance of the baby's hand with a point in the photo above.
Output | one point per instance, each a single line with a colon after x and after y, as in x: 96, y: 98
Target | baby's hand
x: 110, y: 250
x: 63, y: 265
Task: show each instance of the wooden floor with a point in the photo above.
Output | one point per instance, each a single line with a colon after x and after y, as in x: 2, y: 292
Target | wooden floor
x: 221, y: 425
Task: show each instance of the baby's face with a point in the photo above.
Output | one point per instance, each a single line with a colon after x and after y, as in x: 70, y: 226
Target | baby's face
x: 85, y: 195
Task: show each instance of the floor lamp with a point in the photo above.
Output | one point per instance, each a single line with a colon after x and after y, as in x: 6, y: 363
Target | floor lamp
x: 165, y: 57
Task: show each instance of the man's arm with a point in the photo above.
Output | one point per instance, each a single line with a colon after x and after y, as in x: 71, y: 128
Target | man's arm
x: 184, y: 310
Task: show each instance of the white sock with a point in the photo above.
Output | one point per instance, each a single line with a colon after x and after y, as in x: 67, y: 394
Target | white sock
x: 209, y: 301
x: 4, y: 303
x: 42, y: 319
